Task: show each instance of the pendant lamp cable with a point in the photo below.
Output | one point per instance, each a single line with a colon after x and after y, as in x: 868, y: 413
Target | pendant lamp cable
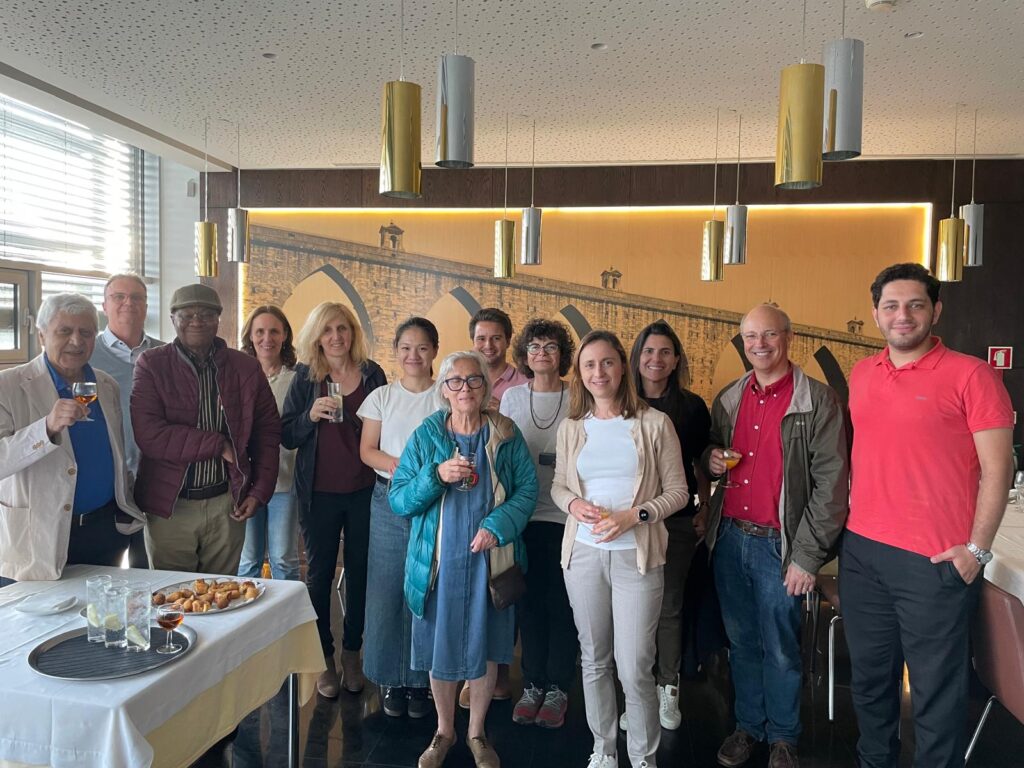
x: 974, y: 153
x: 533, y: 160
x: 952, y: 201
x: 714, y: 194
x: 456, y: 27
x: 803, y: 35
x: 401, y: 42
x: 505, y: 214
x: 844, y: 20
x: 206, y: 168
x: 739, y: 139
x: 238, y: 159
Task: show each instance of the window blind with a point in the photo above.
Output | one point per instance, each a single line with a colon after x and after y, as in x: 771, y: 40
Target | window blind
x: 68, y: 197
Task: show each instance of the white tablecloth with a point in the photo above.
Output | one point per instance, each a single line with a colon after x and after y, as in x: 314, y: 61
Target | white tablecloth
x: 102, y: 724
x: 1006, y: 570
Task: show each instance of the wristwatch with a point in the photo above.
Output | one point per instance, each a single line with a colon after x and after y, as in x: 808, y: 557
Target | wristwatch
x: 983, y: 556
x: 643, y: 516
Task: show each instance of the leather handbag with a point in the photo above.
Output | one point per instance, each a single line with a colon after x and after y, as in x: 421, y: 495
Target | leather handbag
x: 507, y: 583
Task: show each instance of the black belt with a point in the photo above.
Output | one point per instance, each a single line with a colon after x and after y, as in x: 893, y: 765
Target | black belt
x: 753, y: 529
x: 98, y: 515
x: 198, y: 494
x: 385, y: 481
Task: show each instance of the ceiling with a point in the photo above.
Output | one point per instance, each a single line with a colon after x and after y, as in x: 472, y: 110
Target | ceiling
x: 649, y: 98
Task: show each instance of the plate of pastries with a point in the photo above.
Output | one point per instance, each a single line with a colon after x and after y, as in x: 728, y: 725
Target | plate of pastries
x: 210, y: 595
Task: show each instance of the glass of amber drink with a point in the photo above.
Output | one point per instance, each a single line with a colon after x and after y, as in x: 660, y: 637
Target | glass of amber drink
x: 169, y: 616
x: 731, y: 458
x: 84, y: 392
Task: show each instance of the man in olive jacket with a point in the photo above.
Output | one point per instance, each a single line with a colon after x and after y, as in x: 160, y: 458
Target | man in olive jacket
x: 772, y: 524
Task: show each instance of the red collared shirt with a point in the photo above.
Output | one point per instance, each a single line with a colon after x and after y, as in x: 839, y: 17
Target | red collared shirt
x: 510, y: 377
x: 758, y: 437
x: 915, y: 468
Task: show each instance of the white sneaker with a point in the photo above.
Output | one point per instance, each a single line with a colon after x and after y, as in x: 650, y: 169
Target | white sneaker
x: 668, y: 707
x: 603, y: 761
x: 623, y: 721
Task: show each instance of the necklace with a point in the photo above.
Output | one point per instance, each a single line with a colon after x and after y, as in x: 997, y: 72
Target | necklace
x: 533, y: 414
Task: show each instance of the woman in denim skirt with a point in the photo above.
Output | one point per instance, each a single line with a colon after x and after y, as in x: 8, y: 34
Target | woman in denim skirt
x: 390, y: 414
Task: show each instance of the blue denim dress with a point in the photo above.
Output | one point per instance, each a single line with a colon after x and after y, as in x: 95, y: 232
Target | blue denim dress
x: 461, y: 630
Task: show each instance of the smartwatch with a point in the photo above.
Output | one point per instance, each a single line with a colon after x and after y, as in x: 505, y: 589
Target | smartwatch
x: 643, y: 516
x: 983, y: 556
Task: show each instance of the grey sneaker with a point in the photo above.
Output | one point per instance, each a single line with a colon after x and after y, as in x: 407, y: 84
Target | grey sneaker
x: 783, y: 755
x: 526, y: 709
x: 552, y: 711
x: 736, y: 749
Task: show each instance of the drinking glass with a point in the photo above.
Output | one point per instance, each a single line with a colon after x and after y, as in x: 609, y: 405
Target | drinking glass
x: 1018, y: 485
x: 84, y: 392
x: 472, y: 479
x: 334, y: 392
x: 116, y: 609
x: 95, y: 606
x: 137, y: 616
x: 169, y: 616
x: 731, y: 459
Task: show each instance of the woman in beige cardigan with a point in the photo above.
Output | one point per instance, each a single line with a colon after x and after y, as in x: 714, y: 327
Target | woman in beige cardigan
x: 618, y: 475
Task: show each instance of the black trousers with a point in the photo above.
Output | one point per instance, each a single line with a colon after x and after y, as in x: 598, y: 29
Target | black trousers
x: 329, y: 514
x: 546, y: 627
x: 897, y: 605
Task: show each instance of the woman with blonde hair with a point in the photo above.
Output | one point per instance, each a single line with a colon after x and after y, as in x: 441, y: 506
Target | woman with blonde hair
x: 332, y: 483
x: 618, y: 475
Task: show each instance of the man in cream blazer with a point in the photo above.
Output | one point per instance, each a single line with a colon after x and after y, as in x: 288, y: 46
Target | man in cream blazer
x: 65, y: 492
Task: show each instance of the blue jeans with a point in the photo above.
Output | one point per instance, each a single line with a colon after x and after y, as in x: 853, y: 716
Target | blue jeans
x: 387, y: 652
x: 273, y: 530
x: 763, y: 625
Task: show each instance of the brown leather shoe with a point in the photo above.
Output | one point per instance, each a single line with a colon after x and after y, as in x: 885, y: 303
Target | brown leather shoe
x: 327, y: 683
x: 464, y: 695
x: 783, y: 755
x: 483, y: 753
x: 352, y: 672
x: 736, y: 749
x: 434, y: 755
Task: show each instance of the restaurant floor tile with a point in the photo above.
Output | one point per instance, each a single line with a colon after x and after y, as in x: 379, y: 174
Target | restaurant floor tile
x: 353, y: 732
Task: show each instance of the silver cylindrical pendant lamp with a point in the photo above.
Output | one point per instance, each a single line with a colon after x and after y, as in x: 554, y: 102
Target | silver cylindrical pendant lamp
x: 844, y: 99
x: 530, y: 250
x: 973, y: 213
x: 734, y: 245
x: 238, y: 217
x: 455, y: 122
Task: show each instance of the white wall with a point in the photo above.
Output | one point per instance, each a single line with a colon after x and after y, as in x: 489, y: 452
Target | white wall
x: 178, y: 215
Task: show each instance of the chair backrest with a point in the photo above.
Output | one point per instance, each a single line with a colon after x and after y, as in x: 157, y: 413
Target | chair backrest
x: 999, y: 647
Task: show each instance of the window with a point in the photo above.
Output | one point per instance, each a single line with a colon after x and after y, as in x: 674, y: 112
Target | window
x: 14, y: 330
x: 69, y: 199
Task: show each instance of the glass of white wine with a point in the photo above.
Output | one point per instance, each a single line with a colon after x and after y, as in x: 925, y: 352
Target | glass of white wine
x: 84, y: 392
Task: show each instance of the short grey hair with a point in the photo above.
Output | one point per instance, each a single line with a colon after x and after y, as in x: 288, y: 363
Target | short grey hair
x: 787, y: 324
x: 446, y: 371
x: 125, y: 276
x: 71, y: 303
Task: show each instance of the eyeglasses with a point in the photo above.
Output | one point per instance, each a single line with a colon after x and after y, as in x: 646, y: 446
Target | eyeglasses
x: 765, y: 335
x: 203, y: 316
x: 456, y: 383
x: 122, y: 298
x: 535, y: 349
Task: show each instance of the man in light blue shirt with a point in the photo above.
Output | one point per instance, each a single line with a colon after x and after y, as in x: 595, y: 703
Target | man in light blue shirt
x: 117, y: 349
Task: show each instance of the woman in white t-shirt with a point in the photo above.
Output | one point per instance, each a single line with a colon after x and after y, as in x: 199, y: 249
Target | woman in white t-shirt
x: 390, y: 415
x: 618, y: 474
x: 543, y: 351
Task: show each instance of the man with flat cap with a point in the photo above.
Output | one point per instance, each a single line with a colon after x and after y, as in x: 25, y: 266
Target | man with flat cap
x: 208, y: 432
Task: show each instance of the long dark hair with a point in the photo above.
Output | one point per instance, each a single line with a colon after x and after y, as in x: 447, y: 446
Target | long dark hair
x: 681, y: 377
x: 287, y: 346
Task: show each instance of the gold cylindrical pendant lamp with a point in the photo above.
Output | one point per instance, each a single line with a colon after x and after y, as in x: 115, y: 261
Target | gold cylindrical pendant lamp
x: 798, y: 160
x: 504, y: 248
x: 206, y: 249
x: 400, y: 140
x: 711, y: 256
x: 952, y: 250
x: 735, y: 242
x: 238, y: 235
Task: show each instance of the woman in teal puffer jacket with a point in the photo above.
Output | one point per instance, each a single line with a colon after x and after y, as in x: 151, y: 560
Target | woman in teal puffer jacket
x: 459, y: 512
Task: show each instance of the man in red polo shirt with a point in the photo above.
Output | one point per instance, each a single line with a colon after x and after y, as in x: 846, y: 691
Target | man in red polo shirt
x: 771, y: 526
x: 931, y: 467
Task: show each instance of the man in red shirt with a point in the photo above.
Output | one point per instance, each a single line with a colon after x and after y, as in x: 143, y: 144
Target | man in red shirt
x: 931, y: 468
x: 771, y: 526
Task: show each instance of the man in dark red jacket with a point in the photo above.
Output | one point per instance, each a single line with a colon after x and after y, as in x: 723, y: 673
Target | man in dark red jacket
x: 208, y: 430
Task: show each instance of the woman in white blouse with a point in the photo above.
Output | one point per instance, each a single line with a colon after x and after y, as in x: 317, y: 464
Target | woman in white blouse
x: 618, y: 475
x: 390, y: 415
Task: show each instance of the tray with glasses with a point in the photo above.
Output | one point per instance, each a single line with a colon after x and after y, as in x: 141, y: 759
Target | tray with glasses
x: 209, y: 595
x: 70, y: 655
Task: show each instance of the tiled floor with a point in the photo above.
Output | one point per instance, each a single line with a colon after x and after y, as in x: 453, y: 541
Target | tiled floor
x: 353, y: 731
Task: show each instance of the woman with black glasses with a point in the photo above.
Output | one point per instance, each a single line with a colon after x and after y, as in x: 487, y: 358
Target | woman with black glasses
x: 467, y: 482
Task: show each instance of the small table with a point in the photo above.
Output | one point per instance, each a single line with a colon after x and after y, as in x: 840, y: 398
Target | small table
x: 1006, y: 570
x: 168, y: 716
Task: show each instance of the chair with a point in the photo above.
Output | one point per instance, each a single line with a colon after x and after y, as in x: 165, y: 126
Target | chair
x: 998, y: 640
x: 827, y: 587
